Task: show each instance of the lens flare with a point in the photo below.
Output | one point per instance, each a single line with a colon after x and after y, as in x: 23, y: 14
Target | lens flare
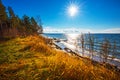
x: 73, y: 9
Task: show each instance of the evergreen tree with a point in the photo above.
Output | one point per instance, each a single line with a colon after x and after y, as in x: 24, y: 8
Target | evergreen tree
x: 34, y: 24
x: 40, y: 29
x: 11, y: 12
x: 26, y: 20
x: 27, y: 24
x: 12, y: 17
x: 15, y: 26
x: 33, y: 21
x: 3, y: 14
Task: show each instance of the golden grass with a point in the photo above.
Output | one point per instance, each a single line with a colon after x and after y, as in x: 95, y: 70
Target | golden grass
x: 31, y: 58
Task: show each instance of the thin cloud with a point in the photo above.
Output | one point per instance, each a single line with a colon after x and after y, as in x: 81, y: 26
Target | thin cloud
x: 113, y: 30
x: 78, y: 30
x: 65, y: 30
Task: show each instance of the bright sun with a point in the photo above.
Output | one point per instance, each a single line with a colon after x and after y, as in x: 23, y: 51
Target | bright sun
x: 72, y: 10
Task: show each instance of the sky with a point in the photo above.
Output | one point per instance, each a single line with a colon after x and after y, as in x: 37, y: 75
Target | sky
x: 97, y: 16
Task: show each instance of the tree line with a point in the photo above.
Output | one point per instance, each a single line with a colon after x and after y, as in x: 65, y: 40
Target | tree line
x: 12, y: 26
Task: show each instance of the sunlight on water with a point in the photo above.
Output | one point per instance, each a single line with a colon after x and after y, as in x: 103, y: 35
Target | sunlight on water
x: 72, y: 40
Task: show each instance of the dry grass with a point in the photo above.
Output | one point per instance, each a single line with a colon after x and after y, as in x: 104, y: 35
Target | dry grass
x: 31, y: 58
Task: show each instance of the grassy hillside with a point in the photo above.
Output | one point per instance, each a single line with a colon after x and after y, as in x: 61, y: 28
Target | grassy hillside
x: 31, y: 58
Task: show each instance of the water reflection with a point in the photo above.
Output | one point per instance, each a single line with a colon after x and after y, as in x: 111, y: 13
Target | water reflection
x: 72, y: 40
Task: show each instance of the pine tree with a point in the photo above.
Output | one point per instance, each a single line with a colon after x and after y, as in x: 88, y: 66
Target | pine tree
x: 11, y: 12
x: 12, y: 17
x: 3, y: 14
x: 34, y: 24
x: 15, y: 26
x: 27, y: 24
x: 26, y: 20
x: 40, y: 29
x: 33, y: 21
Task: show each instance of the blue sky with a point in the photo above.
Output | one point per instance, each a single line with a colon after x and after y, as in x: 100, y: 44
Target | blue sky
x: 94, y: 15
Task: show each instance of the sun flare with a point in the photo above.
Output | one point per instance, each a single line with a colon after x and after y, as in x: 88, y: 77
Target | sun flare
x: 72, y: 10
